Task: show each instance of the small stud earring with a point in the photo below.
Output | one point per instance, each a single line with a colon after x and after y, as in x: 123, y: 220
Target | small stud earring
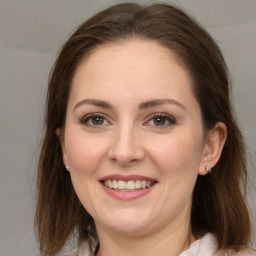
x: 67, y: 167
x: 208, y: 169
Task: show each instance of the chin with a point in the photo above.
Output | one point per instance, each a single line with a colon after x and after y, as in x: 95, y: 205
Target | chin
x: 126, y: 221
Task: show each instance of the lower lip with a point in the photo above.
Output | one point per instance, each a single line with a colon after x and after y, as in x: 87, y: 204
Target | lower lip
x: 127, y: 195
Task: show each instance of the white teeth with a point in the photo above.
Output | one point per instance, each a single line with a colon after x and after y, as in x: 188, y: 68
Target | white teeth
x: 110, y: 184
x: 137, y: 184
x: 130, y: 185
x: 122, y: 184
x: 114, y: 184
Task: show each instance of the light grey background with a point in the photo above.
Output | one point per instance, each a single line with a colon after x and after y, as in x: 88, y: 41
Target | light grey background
x: 31, y: 33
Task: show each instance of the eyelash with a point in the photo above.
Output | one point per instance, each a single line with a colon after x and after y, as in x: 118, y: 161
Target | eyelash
x: 171, y: 120
x: 86, y: 119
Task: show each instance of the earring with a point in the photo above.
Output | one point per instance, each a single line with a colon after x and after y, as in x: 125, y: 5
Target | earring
x: 67, y: 167
x: 208, y: 169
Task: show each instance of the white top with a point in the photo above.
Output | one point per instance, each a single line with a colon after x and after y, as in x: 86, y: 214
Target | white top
x: 206, y: 246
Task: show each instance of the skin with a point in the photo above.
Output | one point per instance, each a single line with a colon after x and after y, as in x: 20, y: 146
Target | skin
x: 128, y: 140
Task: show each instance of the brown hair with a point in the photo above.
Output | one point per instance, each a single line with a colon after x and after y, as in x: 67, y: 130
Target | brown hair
x: 218, y: 204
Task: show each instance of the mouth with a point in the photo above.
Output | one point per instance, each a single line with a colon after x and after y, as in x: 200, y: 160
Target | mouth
x: 130, y: 185
x: 127, y: 183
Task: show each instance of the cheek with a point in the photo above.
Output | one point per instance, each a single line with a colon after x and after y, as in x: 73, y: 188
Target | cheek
x: 84, y: 153
x: 177, y: 157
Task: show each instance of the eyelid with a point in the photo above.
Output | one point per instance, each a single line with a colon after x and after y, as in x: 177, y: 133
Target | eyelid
x: 168, y: 117
x: 85, y: 118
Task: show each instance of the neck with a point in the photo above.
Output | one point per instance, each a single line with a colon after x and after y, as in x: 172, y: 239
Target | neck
x: 165, y: 242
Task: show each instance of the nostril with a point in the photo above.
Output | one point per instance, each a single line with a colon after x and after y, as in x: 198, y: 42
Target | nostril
x: 126, y: 149
x: 124, y: 159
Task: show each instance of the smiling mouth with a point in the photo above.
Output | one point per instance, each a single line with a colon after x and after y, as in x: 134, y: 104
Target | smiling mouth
x: 131, y: 185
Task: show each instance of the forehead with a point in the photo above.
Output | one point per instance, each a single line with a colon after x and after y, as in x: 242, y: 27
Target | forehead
x: 131, y: 51
x: 134, y: 68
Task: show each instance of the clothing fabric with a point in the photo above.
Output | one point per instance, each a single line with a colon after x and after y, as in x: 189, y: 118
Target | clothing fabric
x: 206, y: 246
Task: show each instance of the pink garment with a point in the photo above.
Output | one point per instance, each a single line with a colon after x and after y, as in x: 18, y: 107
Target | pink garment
x: 206, y: 246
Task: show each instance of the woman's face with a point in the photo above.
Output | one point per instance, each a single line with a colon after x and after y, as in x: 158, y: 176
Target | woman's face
x: 133, y: 137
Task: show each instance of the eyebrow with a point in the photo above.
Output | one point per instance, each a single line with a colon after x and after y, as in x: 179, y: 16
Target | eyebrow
x: 94, y: 102
x: 157, y: 102
x: 143, y: 105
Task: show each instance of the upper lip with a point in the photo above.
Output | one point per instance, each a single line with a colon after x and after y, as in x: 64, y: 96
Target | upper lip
x: 126, y: 177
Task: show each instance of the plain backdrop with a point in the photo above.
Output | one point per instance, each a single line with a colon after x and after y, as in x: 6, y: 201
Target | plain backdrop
x: 31, y: 32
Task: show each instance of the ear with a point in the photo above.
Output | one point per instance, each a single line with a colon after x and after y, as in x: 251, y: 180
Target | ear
x: 59, y: 134
x: 214, y: 143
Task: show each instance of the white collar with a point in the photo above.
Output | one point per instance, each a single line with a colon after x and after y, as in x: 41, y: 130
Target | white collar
x: 205, y: 246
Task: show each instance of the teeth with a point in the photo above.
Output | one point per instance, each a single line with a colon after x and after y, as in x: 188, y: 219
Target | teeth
x: 130, y: 185
x: 137, y: 184
x: 115, y: 185
x: 121, y: 185
x: 110, y: 184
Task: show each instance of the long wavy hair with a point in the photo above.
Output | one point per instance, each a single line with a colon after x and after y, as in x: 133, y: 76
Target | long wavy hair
x: 218, y: 202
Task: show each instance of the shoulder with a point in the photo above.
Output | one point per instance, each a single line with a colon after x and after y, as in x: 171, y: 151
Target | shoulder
x: 85, y: 249
x: 73, y: 253
x: 208, y: 245
x: 245, y: 252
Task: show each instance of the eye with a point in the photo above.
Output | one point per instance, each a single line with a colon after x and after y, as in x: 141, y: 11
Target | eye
x: 94, y: 120
x: 161, y: 120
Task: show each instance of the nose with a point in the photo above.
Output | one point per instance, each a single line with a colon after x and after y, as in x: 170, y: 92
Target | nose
x: 126, y: 148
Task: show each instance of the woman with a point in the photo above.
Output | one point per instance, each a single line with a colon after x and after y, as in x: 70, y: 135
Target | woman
x: 142, y: 154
